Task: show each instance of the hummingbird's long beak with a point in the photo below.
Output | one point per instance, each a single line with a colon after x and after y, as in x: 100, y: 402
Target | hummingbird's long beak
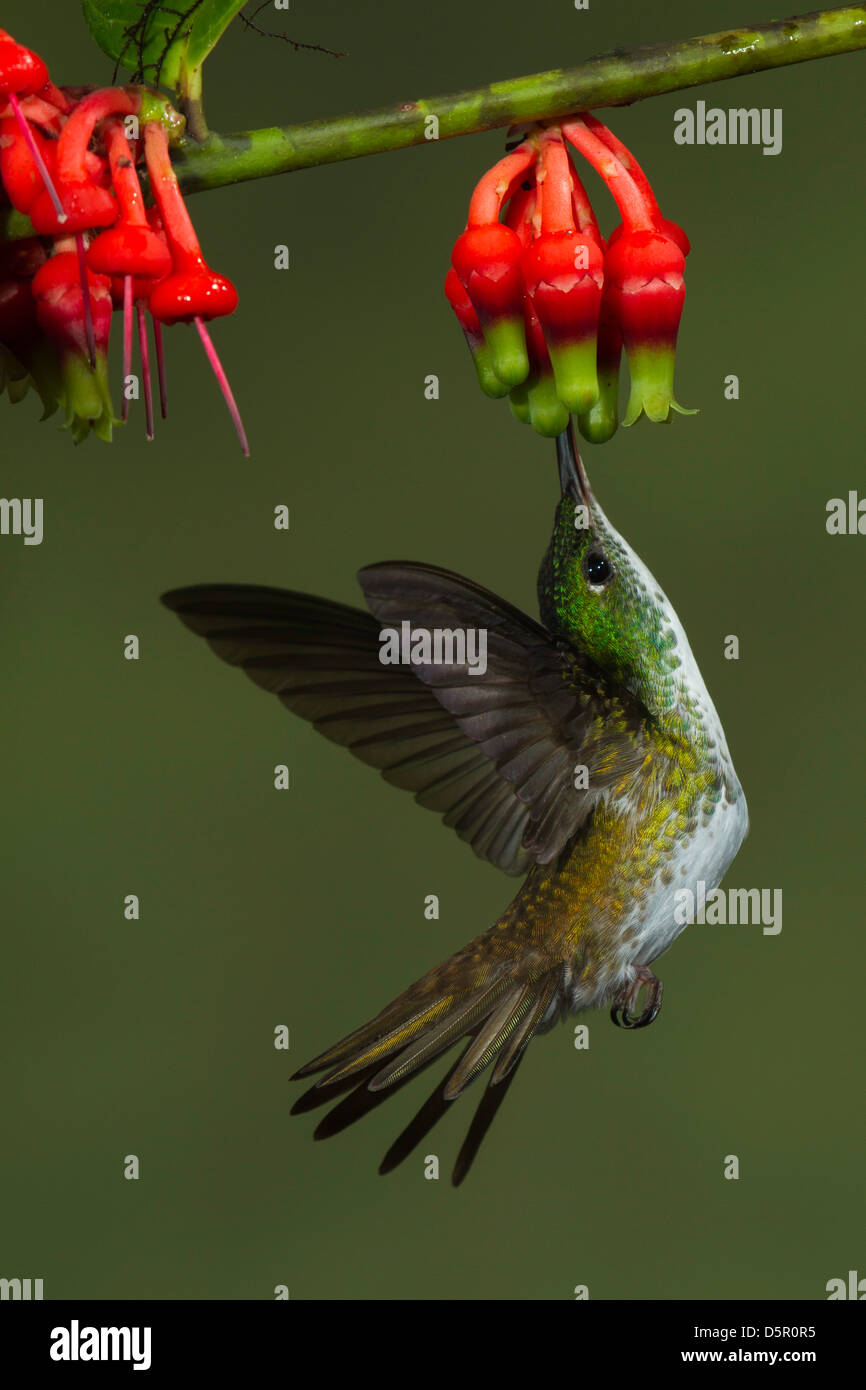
x: 572, y: 474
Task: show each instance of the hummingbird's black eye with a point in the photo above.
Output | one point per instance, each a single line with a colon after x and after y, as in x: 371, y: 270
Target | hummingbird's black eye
x: 597, y: 568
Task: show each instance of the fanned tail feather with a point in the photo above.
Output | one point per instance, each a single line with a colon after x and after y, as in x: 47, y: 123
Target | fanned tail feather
x: 496, y: 1010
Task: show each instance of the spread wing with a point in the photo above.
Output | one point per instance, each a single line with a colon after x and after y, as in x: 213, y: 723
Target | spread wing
x: 494, y: 753
x: 539, y: 712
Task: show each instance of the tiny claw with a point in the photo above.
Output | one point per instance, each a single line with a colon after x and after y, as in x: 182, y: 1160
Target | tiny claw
x: 621, y: 1014
x: 651, y: 1011
x: 624, y: 1019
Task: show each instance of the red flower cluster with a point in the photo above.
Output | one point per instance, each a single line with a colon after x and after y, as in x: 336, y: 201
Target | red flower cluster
x: 68, y: 162
x: 547, y: 304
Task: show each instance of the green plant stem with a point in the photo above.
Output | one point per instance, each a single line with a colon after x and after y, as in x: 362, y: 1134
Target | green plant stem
x: 192, y: 107
x: 613, y: 79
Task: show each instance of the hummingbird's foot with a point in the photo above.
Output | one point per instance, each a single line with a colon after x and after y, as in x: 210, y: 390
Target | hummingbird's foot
x: 623, y: 1011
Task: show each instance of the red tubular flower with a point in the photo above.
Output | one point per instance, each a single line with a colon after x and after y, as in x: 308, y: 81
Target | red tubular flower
x: 192, y: 292
x: 535, y: 401
x: 582, y: 299
x: 563, y: 272
x: 85, y: 203
x: 130, y: 247
x: 142, y: 285
x: 647, y: 290
x: 57, y: 289
x: 599, y: 423
x: 22, y: 74
x: 19, y: 171
x: 487, y: 261
x: 474, y: 335
x: 124, y: 253
x: 630, y: 164
x: 644, y: 269
x: 132, y: 250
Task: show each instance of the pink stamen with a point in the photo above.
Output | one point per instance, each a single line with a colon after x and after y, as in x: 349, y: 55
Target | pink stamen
x: 223, y: 382
x: 36, y: 156
x: 160, y: 368
x: 145, y: 368
x: 127, y: 339
x: 85, y: 295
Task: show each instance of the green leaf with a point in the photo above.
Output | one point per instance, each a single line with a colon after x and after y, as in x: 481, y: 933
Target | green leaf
x: 163, y: 43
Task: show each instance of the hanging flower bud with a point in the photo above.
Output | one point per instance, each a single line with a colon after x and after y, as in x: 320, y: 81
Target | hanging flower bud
x: 642, y: 183
x: 66, y: 163
x: 535, y: 401
x: 191, y: 292
x: 84, y: 394
x: 486, y: 259
x: 468, y: 319
x: 645, y: 269
x: 86, y: 204
x: 582, y: 299
x: 134, y: 252
x: 599, y: 423
x: 487, y: 262
x: 19, y: 172
x: 22, y: 72
x: 563, y: 272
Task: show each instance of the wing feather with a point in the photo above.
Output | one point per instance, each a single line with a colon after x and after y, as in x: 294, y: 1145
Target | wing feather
x: 493, y: 753
x: 322, y: 660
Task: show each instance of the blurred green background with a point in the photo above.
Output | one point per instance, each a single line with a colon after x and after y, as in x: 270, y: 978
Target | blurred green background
x: 306, y: 908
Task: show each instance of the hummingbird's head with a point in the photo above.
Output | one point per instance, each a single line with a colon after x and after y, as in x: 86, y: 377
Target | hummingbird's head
x: 595, y: 593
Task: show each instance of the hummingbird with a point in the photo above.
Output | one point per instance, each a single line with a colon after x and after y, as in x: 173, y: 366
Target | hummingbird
x: 588, y: 759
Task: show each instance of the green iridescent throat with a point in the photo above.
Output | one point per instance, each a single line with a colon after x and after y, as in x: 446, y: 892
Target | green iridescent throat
x: 621, y: 628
